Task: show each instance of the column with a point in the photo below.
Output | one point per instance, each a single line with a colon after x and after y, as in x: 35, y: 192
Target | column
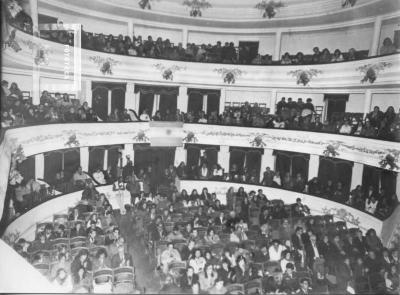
x: 267, y: 160
x: 272, y: 106
x: 84, y: 155
x: 313, y: 166
x: 156, y: 104
x: 33, y: 4
x: 185, y: 34
x: 367, y: 102
x: 109, y: 95
x: 39, y: 166
x: 86, y: 92
x: 128, y: 151
x: 223, y: 157
x: 130, y: 30
x: 130, y: 99
x: 278, y: 41
x: 35, y: 68
x: 375, y: 37
x: 205, y: 100
x: 180, y: 155
x: 105, y: 160
x: 137, y: 102
x: 398, y: 186
x: 183, y: 99
x: 222, y: 100
x: 356, y: 175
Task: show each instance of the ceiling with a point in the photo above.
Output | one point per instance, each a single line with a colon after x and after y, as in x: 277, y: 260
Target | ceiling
x: 230, y: 14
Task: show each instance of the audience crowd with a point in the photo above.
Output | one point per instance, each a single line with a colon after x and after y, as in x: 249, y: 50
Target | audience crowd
x: 251, y: 244
x: 217, y: 53
x: 290, y: 114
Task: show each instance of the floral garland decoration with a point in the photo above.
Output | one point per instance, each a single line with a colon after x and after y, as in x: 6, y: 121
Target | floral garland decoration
x: 106, y: 64
x: 190, y: 137
x: 258, y: 141
x: 17, y: 156
x: 141, y: 137
x: 331, y: 150
x: 371, y: 71
x: 229, y: 75
x: 196, y: 6
x: 41, y: 52
x: 304, y: 76
x: 342, y: 214
x: 11, y: 42
x: 168, y: 72
x: 11, y: 238
x: 390, y: 160
x: 72, y: 141
x: 269, y: 7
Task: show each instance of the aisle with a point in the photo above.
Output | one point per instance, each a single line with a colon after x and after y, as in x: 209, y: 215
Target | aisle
x: 145, y: 275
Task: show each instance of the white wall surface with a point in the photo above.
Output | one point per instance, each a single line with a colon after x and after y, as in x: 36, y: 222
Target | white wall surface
x: 175, y: 36
x: 266, y: 41
x: 384, y: 100
x: 357, y: 37
x: 248, y: 95
x: 94, y: 25
x: 25, y: 83
x: 355, y: 104
x: 388, y: 29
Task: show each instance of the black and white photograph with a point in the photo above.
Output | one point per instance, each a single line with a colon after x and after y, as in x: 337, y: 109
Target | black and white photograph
x: 239, y: 147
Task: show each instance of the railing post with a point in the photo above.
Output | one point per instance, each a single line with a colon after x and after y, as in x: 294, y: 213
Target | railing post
x: 356, y: 175
x: 373, y: 51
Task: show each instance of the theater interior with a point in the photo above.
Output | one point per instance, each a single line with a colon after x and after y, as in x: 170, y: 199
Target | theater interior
x: 200, y: 147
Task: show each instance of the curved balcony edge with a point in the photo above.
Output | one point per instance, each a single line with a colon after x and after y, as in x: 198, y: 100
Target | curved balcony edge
x: 118, y: 67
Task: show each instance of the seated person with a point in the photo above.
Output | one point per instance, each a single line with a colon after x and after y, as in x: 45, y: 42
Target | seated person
x: 197, y: 262
x: 188, y: 279
x: 239, y: 235
x: 79, y: 178
x: 211, y: 237
x: 93, y: 239
x: 175, y: 234
x: 289, y: 279
x: 275, y: 250
x: 169, y: 256
x: 62, y: 281
x: 99, y: 177
x: 121, y: 258
x: 61, y: 263
x: 78, y: 230
x: 40, y: 244
x: 387, y: 47
x: 207, y: 278
x: 101, y: 261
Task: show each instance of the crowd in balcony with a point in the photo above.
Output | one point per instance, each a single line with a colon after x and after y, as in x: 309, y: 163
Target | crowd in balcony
x: 290, y: 114
x: 198, y: 246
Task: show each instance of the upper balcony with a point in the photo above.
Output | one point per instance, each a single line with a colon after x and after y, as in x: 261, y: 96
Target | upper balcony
x: 60, y: 61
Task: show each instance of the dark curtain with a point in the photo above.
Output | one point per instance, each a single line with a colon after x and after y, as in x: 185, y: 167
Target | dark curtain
x: 253, y: 162
x: 99, y: 102
x: 158, y: 158
x: 335, y: 170
x: 71, y: 162
x: 193, y: 154
x: 371, y: 177
x: 117, y: 99
x: 377, y: 177
x: 293, y: 163
x: 336, y: 105
x: 96, y: 158
x: 112, y: 158
x: 52, y: 165
x: 195, y: 103
x: 146, y: 103
x: 27, y: 168
x: 168, y: 101
x: 213, y: 102
x: 283, y: 164
x: 237, y: 157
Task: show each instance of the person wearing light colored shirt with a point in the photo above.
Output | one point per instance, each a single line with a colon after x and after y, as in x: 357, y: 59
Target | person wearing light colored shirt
x: 198, y: 262
x: 275, y: 251
x: 144, y: 116
x: 169, y: 256
x: 98, y: 176
x: 371, y: 204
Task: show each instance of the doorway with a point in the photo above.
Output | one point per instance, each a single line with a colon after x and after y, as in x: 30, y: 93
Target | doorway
x: 335, y: 105
x: 248, y: 50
